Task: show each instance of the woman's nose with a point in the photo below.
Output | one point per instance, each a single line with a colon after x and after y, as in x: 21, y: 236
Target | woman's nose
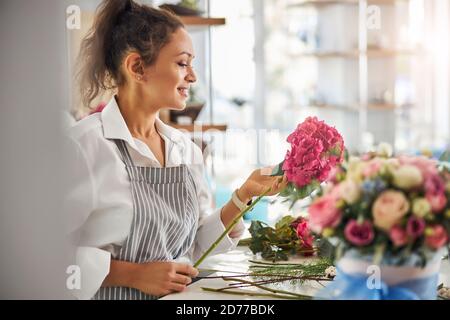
x: 191, y: 76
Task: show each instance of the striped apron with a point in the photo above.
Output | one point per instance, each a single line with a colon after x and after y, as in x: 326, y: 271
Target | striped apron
x: 165, y: 219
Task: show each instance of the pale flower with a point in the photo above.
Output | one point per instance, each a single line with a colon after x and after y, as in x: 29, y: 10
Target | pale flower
x: 389, y: 208
x: 421, y: 207
x: 355, y: 169
x: 407, y: 177
x: 389, y: 166
x: 384, y: 149
x: 349, y: 191
x: 330, y: 272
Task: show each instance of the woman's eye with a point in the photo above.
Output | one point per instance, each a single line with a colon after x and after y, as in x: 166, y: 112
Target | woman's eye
x: 182, y: 64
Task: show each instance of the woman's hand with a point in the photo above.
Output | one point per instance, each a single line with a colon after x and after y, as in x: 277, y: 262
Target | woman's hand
x: 258, y: 182
x: 161, y: 278
x: 154, y: 278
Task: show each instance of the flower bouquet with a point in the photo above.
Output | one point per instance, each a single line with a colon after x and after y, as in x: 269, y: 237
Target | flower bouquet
x: 390, y: 220
x: 316, y: 149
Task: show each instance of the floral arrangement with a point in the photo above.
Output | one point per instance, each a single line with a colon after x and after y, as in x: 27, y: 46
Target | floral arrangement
x: 380, y: 204
x: 289, y: 236
x: 316, y: 149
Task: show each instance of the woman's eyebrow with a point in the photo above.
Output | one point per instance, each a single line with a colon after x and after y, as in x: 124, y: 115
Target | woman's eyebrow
x: 187, y: 53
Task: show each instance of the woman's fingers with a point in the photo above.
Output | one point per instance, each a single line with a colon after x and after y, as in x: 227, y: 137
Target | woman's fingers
x: 177, y: 287
x: 279, y: 184
x: 186, y: 269
x: 181, y: 279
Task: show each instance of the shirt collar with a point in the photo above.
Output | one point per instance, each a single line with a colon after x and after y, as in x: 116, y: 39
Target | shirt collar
x: 114, y: 126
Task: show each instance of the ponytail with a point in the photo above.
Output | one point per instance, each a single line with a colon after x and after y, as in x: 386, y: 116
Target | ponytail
x: 119, y: 27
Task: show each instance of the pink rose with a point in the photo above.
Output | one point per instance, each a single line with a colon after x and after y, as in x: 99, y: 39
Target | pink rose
x: 415, y: 227
x: 427, y: 167
x: 438, y: 201
x: 359, y: 234
x: 389, y: 208
x: 323, y: 213
x: 398, y: 236
x: 434, y: 184
x: 305, y: 237
x: 372, y: 168
x: 438, y: 238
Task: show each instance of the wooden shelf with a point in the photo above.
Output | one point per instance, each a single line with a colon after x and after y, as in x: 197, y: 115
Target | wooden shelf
x: 205, y: 127
x: 320, y: 3
x: 355, y: 108
x: 303, y: 3
x: 201, y: 21
x: 371, y: 53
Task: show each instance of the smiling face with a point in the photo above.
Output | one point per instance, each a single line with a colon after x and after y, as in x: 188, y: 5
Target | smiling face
x: 168, y: 80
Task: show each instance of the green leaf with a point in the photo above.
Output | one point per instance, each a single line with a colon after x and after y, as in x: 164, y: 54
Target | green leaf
x: 255, y: 228
x: 346, y: 155
x: 278, y: 170
x: 325, y: 248
x: 445, y: 157
x: 284, y: 222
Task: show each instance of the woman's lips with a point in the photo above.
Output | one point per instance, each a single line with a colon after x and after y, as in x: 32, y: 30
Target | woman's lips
x: 183, y: 91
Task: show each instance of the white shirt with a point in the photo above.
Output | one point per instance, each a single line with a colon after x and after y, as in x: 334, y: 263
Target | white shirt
x: 99, y: 204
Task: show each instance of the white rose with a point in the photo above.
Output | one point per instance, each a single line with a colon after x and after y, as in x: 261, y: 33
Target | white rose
x: 384, y: 150
x: 407, y: 177
x: 349, y: 191
x: 355, y: 169
x: 421, y: 207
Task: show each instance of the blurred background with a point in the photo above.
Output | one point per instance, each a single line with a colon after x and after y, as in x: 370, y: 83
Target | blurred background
x: 378, y: 70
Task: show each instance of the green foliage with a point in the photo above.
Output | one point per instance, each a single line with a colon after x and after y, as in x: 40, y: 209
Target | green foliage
x: 299, y: 271
x: 278, y: 170
x: 445, y: 157
x: 292, y: 193
x: 274, y: 244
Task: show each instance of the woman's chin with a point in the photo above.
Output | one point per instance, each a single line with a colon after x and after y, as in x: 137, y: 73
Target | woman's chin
x: 179, y: 106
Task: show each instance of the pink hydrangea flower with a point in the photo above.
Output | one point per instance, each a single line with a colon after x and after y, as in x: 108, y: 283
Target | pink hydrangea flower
x: 316, y: 149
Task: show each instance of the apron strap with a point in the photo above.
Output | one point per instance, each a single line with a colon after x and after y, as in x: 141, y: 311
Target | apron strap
x: 125, y: 155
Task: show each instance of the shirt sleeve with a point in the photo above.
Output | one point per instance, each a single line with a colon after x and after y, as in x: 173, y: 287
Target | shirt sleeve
x: 210, y: 225
x: 79, y: 203
x: 94, y: 266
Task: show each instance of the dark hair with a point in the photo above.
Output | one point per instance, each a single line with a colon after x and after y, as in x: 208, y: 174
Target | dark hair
x: 119, y: 27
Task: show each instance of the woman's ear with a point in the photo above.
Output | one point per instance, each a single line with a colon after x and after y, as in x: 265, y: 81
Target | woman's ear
x: 134, y: 67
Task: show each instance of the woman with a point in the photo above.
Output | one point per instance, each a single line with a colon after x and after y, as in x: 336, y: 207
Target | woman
x: 140, y: 201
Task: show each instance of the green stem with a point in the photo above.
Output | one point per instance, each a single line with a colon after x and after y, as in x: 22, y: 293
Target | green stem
x: 227, y: 230
x: 270, y: 289
x: 271, y: 264
x: 254, y: 294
